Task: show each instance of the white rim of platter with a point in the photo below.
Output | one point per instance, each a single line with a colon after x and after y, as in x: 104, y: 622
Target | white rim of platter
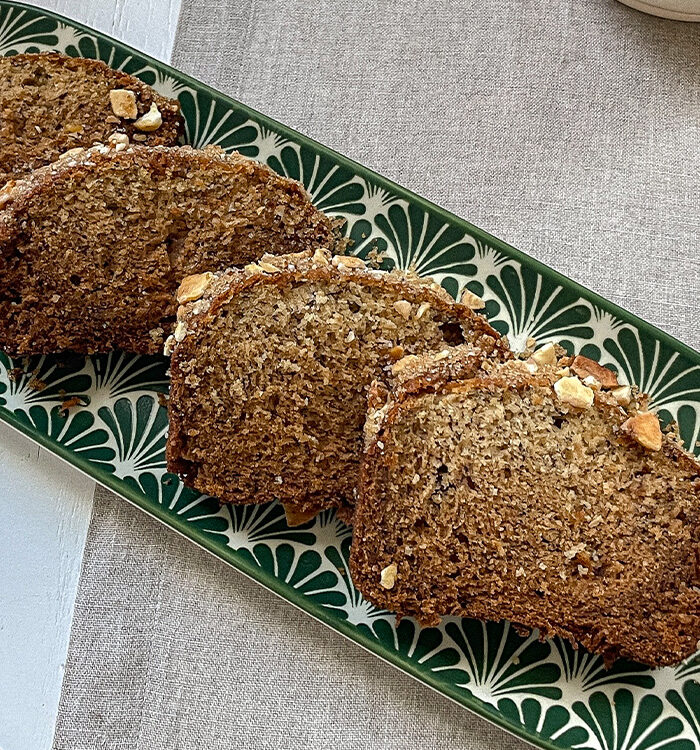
x: 677, y: 10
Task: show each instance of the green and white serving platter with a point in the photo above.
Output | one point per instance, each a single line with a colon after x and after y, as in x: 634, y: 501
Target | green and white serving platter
x: 545, y: 692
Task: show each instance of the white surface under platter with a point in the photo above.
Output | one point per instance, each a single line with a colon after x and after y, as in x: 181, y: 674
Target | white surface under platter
x: 40, y: 557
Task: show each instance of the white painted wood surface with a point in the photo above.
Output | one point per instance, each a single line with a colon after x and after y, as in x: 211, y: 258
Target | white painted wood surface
x: 44, y: 514
x: 45, y: 505
x: 148, y: 25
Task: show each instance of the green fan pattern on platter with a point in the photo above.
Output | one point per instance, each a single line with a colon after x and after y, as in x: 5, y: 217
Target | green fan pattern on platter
x: 547, y: 692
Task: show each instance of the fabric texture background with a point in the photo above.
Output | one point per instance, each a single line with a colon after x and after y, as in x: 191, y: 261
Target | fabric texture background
x: 171, y: 648
x: 571, y: 129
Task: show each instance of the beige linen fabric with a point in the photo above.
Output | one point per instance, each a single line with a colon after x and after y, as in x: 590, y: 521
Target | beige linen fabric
x: 171, y: 648
x: 570, y: 128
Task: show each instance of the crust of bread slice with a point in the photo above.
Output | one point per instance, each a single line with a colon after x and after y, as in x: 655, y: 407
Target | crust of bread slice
x: 50, y: 103
x: 94, y: 246
x: 515, y: 504
x: 271, y: 368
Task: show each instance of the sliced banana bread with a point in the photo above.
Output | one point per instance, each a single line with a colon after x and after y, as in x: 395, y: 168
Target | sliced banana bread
x: 271, y: 370
x: 94, y: 246
x: 50, y: 103
x: 526, y: 494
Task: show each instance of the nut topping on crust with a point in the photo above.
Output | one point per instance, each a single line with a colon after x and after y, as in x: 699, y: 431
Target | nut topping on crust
x: 388, y: 576
x: 583, y: 367
x: 252, y: 268
x: 623, y: 395
x: 422, y: 310
x: 6, y: 192
x: 295, y: 516
x: 269, y: 267
x: 645, y: 429
x: 192, y: 287
x: 123, y: 103
x: 471, y: 300
x: 592, y: 382
x: 321, y: 257
x: 572, y: 391
x: 120, y: 141
x: 545, y: 356
x: 403, y: 308
x: 151, y: 121
x: 349, y: 261
x: 71, y: 153
x: 180, y: 331
x: 403, y: 362
x: 169, y: 345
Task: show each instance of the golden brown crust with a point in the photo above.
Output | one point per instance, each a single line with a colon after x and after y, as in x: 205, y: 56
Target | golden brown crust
x: 50, y: 103
x: 463, y: 370
x: 640, y: 601
x: 303, y: 266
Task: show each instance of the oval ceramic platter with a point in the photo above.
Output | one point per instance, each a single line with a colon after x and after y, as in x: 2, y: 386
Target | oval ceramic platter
x: 545, y: 692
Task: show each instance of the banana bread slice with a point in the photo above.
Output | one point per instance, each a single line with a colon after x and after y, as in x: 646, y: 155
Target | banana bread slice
x: 50, y: 103
x: 271, y: 368
x: 524, y: 494
x: 94, y: 246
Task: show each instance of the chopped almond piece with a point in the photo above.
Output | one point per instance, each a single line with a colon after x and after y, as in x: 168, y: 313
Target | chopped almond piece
x: 573, y: 392
x: 123, y: 103
x: 645, y: 429
x: 583, y: 367
x: 192, y: 287
x: 296, y: 517
x: 151, y: 121
x: 403, y: 308
x: 623, y: 395
x: 388, y: 576
x: 545, y: 356
x: 471, y: 300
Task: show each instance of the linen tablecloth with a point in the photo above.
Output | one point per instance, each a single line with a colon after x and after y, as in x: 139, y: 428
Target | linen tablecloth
x: 570, y: 128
